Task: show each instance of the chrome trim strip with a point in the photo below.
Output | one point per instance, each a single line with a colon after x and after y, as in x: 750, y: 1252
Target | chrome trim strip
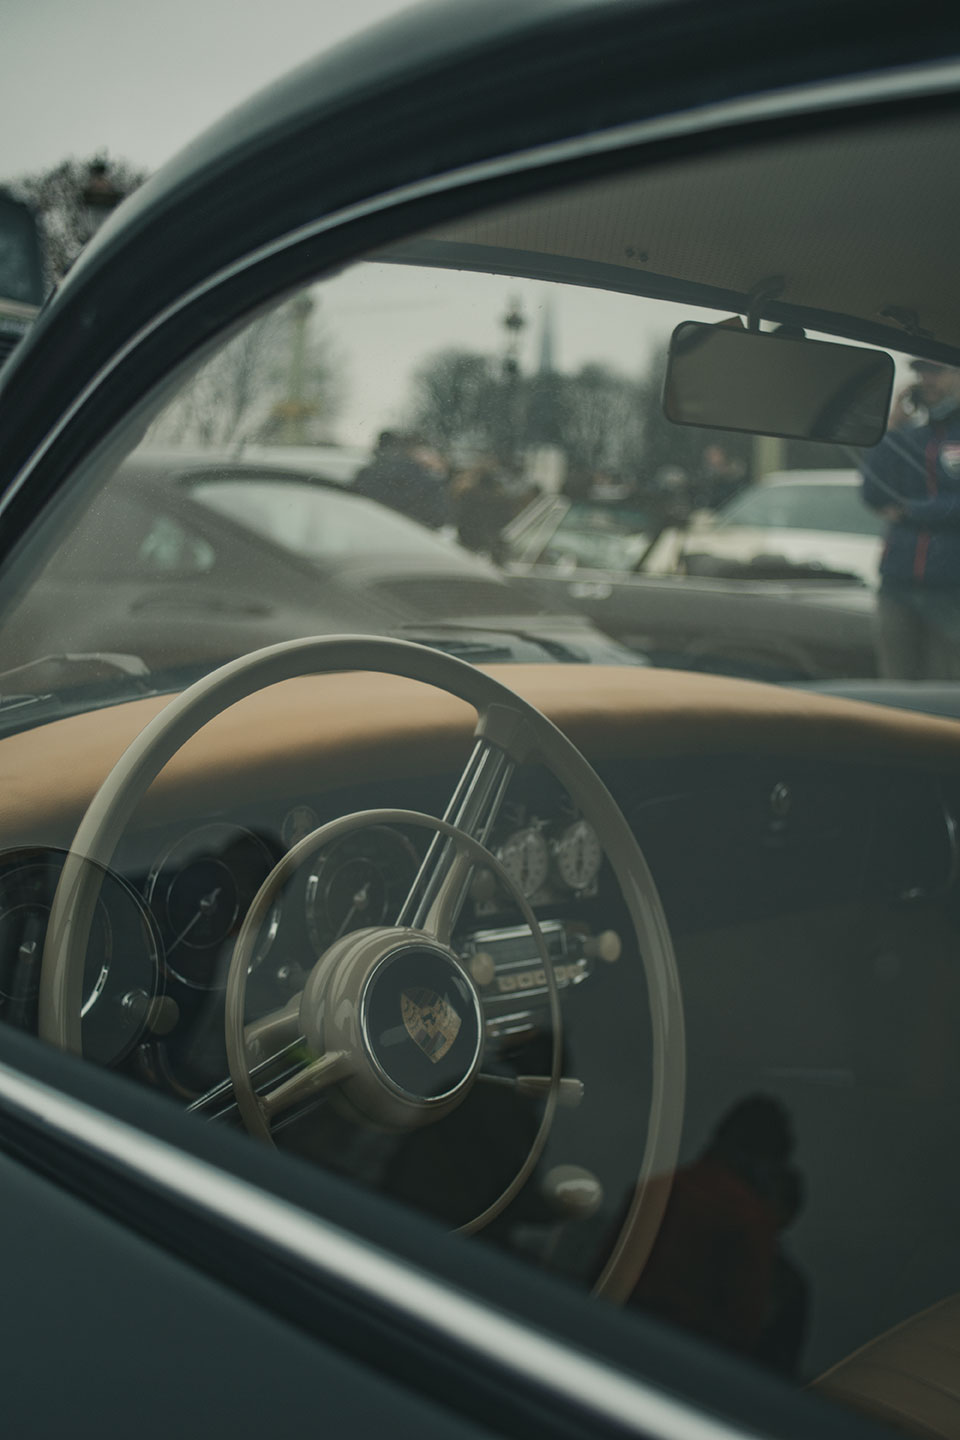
x: 908, y: 83
x: 329, y: 1253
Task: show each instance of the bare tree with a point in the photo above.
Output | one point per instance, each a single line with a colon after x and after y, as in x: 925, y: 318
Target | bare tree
x: 599, y: 419
x: 456, y: 398
x: 244, y: 391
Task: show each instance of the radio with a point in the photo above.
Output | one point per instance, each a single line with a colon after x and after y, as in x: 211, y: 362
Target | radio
x: 508, y: 971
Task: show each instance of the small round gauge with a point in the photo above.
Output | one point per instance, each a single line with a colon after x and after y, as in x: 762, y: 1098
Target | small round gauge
x: 121, y: 961
x: 525, y: 858
x: 579, y: 855
x: 298, y: 824
x: 200, y: 890
x: 26, y: 895
x: 361, y: 880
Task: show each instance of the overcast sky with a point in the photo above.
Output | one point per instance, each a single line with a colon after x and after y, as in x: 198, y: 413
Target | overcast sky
x: 141, y: 78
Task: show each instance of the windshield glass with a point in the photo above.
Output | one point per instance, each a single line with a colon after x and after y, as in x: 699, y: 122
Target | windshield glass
x: 503, y: 439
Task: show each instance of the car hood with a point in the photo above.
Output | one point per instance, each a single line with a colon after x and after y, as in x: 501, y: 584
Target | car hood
x: 858, y: 554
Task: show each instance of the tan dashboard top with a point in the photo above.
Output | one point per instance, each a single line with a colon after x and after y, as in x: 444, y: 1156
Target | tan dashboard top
x: 323, y: 732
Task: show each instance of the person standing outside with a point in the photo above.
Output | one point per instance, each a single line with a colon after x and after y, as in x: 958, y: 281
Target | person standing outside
x: 912, y: 478
x: 406, y: 477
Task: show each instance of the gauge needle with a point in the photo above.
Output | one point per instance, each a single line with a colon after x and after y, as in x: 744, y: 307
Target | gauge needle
x: 208, y: 903
x: 359, y: 902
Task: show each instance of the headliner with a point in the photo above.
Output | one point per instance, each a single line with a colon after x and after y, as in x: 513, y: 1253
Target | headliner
x: 861, y: 225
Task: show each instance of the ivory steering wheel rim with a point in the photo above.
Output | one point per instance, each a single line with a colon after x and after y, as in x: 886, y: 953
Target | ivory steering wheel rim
x: 505, y: 721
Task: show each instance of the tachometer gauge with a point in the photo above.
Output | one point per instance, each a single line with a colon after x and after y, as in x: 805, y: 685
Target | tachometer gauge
x: 200, y: 890
x: 121, y: 971
x: 579, y: 855
x: 361, y: 880
x: 525, y: 858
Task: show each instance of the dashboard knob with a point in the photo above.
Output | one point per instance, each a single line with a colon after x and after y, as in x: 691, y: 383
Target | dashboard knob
x: 163, y: 1015
x: 606, y: 946
x: 482, y: 968
x: 572, y: 1191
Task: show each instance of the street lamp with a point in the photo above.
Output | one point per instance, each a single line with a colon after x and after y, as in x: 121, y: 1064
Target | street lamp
x: 514, y: 323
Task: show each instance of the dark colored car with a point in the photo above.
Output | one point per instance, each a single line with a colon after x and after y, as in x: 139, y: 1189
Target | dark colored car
x: 21, y: 271
x: 394, y: 1045
x: 718, y: 616
x: 172, y: 588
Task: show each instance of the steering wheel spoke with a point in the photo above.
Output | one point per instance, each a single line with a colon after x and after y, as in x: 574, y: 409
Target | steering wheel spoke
x: 443, y: 880
x: 269, y: 1034
x: 315, y: 1077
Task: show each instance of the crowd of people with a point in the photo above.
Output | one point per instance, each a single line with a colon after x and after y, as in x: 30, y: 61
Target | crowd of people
x: 478, y: 500
x: 912, y: 478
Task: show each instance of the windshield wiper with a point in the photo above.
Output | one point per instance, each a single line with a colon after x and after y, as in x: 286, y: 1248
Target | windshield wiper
x: 34, y: 687
x: 556, y: 649
x: 478, y: 652
x: 96, y: 661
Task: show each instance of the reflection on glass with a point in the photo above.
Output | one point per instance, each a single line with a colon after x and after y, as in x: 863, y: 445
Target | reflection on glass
x: 719, y: 1266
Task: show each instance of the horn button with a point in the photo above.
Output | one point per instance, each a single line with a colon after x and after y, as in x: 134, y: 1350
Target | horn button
x: 403, y: 1008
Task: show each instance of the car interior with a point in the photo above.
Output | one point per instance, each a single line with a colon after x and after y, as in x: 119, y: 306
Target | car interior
x: 670, y: 1015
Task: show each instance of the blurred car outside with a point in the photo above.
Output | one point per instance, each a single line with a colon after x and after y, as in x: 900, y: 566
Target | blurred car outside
x: 778, y: 620
x: 21, y: 272
x: 810, y: 518
x: 176, y: 592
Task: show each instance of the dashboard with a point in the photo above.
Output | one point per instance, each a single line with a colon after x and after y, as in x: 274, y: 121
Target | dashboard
x: 806, y: 853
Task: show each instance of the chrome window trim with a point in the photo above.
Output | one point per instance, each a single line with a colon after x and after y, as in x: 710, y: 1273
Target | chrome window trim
x: 910, y: 82
x: 328, y: 1253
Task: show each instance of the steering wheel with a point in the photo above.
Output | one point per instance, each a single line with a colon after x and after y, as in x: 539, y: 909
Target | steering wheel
x: 407, y: 971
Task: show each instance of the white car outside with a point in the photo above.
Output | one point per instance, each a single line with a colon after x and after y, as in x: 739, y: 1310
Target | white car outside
x: 805, y: 517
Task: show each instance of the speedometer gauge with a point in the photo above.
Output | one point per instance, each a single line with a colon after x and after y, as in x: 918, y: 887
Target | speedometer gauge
x: 360, y: 880
x: 525, y: 858
x: 579, y: 855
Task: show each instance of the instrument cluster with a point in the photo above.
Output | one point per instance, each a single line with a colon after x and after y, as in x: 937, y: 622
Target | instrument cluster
x: 164, y: 929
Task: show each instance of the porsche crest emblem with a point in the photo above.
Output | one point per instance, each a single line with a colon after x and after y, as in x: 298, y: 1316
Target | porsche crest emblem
x: 430, y: 1021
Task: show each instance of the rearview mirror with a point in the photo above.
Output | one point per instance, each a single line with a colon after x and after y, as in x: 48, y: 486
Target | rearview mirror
x: 767, y: 384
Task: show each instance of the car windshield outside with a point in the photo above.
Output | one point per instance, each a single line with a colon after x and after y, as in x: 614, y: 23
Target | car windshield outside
x: 673, y: 1019
x: 317, y: 522
x: 604, y: 537
x: 780, y: 504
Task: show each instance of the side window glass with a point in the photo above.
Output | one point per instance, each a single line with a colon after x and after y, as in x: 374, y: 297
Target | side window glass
x: 247, y: 952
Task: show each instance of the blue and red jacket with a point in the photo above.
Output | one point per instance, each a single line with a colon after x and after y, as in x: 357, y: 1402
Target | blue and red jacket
x: 918, y: 470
